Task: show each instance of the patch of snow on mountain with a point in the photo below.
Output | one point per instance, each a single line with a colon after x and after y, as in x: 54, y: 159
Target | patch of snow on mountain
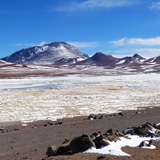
x: 121, y: 62
x: 153, y: 60
x: 80, y: 59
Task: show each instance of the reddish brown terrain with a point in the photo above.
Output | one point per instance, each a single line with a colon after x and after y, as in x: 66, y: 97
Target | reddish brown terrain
x: 32, y: 141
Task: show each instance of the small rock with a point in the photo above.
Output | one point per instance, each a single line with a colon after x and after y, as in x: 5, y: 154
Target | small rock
x: 138, y: 112
x: 35, y: 126
x: 90, y: 117
x: 95, y: 117
x: 121, y: 114
x: 58, y: 123
x: 145, y: 143
x: 112, y: 115
x: 110, y: 131
x: 128, y: 131
x: 16, y: 129
x: 51, y: 151
x: 98, y: 141
x: 2, y: 130
x: 100, y: 117
x: 101, y: 157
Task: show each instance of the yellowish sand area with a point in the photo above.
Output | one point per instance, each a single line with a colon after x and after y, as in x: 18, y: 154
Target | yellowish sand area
x: 104, y: 97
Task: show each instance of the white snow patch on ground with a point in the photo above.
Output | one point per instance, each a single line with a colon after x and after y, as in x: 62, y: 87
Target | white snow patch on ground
x: 114, y: 148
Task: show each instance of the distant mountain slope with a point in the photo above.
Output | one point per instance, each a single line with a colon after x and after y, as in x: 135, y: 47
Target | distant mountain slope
x: 155, y: 60
x: 3, y: 63
x: 100, y: 59
x: 50, y: 53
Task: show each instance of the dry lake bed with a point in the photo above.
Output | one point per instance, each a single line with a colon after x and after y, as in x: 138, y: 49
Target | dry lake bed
x: 33, y: 99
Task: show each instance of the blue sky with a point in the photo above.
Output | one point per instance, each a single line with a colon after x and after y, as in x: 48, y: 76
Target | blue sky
x: 116, y: 27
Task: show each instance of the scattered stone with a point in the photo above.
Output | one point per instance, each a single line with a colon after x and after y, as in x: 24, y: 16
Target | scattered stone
x: 58, y: 123
x: 81, y: 143
x: 16, y: 129
x: 128, y: 131
x: 100, y: 117
x: 138, y: 112
x: 48, y: 124
x: 112, y: 115
x: 121, y: 114
x: 145, y: 143
x: 34, y: 126
x: 95, y: 117
x: 90, y: 117
x: 3, y: 130
x: 110, y: 131
x: 100, y: 141
x: 101, y: 157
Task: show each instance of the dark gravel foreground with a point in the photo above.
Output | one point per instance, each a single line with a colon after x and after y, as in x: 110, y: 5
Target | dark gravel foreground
x: 31, y: 142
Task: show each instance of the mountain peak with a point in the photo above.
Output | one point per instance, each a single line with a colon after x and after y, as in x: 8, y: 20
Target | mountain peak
x: 102, y: 59
x: 49, y: 53
x: 137, y: 56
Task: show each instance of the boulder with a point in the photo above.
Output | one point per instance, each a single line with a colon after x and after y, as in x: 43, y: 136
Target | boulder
x: 141, y: 131
x: 146, y: 130
x: 81, y: 143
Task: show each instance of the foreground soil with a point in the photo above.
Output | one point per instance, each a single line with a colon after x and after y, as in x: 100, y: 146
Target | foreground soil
x: 31, y: 141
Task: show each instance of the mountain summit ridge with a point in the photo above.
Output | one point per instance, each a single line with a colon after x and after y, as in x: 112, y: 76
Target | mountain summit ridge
x: 62, y: 53
x: 49, y: 53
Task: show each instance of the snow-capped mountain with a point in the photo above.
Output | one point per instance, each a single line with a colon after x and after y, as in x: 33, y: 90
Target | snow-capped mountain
x: 129, y: 61
x: 50, y: 53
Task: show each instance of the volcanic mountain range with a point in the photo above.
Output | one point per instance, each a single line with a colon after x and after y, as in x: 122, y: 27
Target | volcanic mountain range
x: 61, y: 53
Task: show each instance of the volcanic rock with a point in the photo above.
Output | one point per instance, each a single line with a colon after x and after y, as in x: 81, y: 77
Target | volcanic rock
x: 81, y: 143
x: 51, y: 151
x: 145, y: 143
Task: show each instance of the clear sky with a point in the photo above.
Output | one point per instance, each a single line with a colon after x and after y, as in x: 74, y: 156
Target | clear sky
x: 116, y: 27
